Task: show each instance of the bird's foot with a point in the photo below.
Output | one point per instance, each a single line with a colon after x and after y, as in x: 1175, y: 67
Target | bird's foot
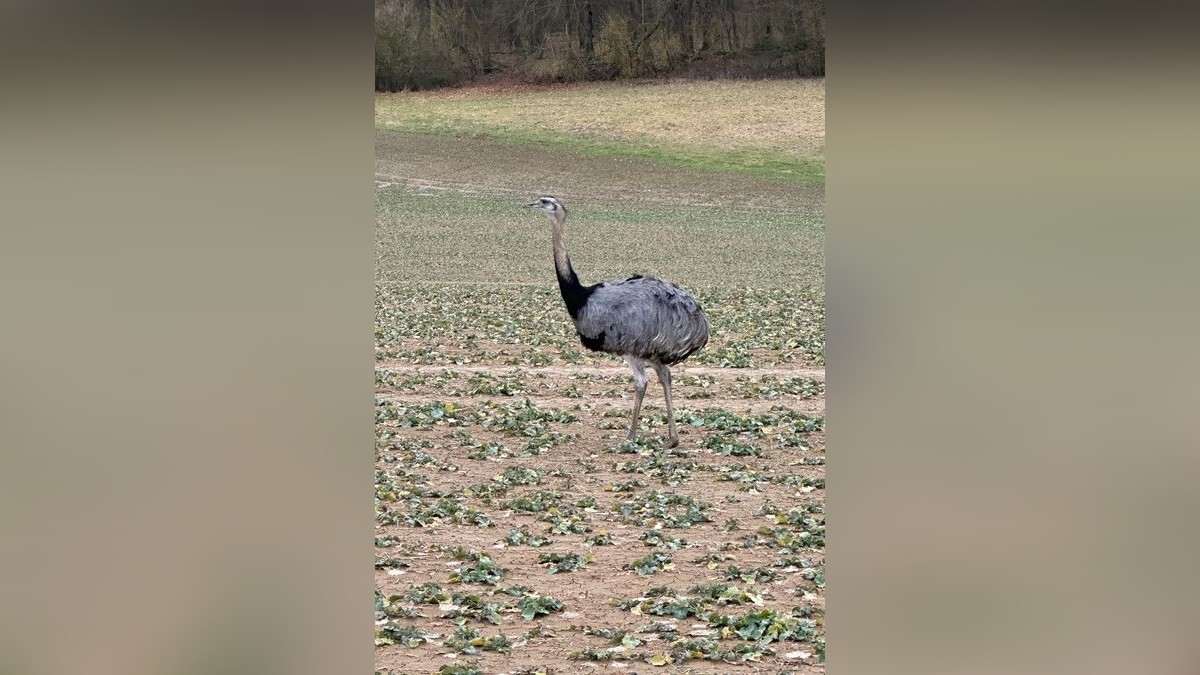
x: 670, y: 441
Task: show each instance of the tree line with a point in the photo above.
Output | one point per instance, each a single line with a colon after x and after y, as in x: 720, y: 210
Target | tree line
x: 421, y: 44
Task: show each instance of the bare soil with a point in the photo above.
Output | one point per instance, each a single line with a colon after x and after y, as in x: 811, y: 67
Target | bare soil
x: 589, y: 593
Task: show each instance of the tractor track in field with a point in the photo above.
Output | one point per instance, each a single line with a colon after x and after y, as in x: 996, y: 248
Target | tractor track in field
x: 676, y: 371
x: 815, y: 406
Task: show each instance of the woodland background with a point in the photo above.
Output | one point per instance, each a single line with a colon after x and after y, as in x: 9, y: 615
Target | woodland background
x: 425, y: 44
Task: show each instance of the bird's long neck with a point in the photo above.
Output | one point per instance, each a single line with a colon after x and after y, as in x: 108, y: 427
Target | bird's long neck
x: 562, y: 261
x: 574, y: 294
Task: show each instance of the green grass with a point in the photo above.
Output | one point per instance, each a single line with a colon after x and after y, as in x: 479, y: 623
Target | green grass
x: 768, y: 129
x: 749, y: 162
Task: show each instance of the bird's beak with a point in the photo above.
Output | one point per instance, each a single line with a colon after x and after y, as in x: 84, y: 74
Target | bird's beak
x: 533, y: 204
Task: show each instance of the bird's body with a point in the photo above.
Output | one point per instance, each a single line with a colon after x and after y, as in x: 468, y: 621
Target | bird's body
x: 645, y: 319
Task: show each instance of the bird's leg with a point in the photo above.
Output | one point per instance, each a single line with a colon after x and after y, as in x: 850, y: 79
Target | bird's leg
x: 664, y: 376
x: 639, y: 382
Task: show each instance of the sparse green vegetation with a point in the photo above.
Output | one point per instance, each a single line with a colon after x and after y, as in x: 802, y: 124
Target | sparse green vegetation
x: 563, y: 562
x: 478, y: 568
x: 523, y: 537
x: 471, y: 641
x: 663, y: 509
x: 657, y: 538
x: 651, y: 564
x: 533, y: 606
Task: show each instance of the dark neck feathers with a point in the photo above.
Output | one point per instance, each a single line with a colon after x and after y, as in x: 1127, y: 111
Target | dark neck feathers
x: 574, y: 294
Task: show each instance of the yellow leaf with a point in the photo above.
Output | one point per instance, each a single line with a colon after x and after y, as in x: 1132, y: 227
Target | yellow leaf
x: 661, y: 660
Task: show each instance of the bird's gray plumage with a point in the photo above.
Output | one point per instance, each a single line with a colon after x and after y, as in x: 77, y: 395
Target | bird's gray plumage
x: 647, y: 320
x: 644, y: 317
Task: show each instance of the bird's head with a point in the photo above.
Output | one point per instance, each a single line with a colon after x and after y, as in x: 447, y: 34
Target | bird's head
x: 551, y: 206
